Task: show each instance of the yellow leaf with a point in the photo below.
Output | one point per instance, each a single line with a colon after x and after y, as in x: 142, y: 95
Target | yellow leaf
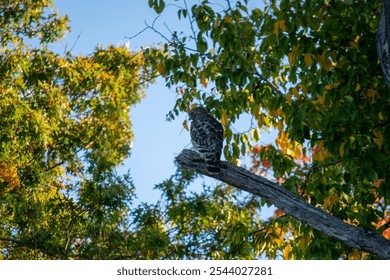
x: 260, y: 120
x: 341, y: 149
x: 295, y: 92
x: 304, y: 89
x: 276, y: 28
x: 282, y: 25
x: 330, y: 201
x: 372, y: 93
x: 224, y: 119
x: 286, y: 251
x: 267, y: 121
x: 255, y: 134
x: 244, y: 138
x: 320, y: 101
x: 280, y: 125
x: 279, y: 236
x: 331, y: 86
x: 9, y: 174
x: 204, y: 81
x: 185, y: 125
x: 308, y: 60
x: 354, y: 255
x: 282, y: 142
x: 296, y: 150
x: 255, y: 110
x: 354, y: 45
x: 357, y: 87
x: 275, y: 113
x: 357, y: 38
x: 319, y: 156
x: 160, y: 68
x: 378, y: 137
x: 279, y: 25
x: 319, y: 152
x: 216, y: 22
x: 324, y: 61
x: 291, y: 56
x: 288, y: 98
x: 303, y: 242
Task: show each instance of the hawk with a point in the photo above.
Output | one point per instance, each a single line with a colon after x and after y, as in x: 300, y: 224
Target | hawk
x: 207, y: 137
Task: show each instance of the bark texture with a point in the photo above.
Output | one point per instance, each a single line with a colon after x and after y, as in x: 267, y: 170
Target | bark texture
x: 383, y: 40
x: 291, y: 204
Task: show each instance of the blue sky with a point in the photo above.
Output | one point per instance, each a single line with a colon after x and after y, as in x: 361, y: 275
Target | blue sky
x: 157, y: 141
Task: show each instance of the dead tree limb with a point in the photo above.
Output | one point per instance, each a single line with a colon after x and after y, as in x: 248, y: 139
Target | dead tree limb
x: 383, y: 40
x: 291, y: 204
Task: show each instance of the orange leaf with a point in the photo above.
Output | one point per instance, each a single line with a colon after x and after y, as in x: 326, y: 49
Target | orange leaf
x: 286, y: 251
x: 266, y: 163
x: 256, y: 149
x: 386, y: 233
x: 377, y: 183
x: 278, y: 212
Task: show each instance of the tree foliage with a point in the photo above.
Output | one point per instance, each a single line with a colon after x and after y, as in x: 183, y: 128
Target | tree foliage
x: 306, y: 70
x: 65, y: 126
x: 309, y: 71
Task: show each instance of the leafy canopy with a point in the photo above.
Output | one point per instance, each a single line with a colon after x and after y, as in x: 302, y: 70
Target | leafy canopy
x: 65, y: 127
x: 309, y: 71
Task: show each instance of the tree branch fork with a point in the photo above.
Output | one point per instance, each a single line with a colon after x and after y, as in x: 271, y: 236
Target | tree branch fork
x: 291, y: 204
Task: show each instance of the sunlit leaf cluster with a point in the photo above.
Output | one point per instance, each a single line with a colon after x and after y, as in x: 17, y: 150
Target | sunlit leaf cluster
x: 65, y: 127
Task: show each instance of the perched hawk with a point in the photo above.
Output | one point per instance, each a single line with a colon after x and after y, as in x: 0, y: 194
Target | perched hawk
x: 207, y: 137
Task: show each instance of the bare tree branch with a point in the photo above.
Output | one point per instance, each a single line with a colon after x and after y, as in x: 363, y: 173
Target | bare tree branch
x: 383, y: 40
x: 291, y: 204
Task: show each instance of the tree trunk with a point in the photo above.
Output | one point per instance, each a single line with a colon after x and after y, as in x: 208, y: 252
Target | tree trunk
x: 291, y: 204
x: 383, y: 40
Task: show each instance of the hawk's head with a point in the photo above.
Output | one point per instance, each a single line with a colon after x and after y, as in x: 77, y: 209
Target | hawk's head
x: 196, y: 111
